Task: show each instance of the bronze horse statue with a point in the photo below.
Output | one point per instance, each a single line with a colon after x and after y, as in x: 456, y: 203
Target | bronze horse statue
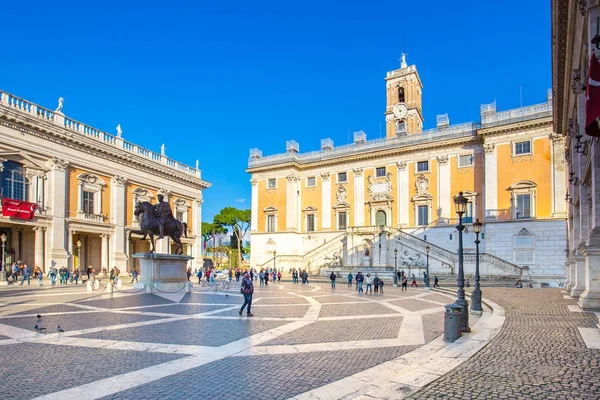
x: 149, y: 225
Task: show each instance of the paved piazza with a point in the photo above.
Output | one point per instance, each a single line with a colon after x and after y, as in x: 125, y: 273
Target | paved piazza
x: 305, y: 342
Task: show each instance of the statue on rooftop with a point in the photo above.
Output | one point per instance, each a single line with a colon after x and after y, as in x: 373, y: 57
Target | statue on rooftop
x: 61, y: 101
x: 162, y: 149
x: 119, y: 131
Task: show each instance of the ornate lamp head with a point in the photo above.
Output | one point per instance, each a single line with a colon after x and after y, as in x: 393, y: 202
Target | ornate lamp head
x: 460, y: 203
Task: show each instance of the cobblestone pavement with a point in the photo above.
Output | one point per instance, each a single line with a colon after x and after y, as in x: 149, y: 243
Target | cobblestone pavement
x: 303, y: 337
x: 138, y: 345
x: 539, y: 354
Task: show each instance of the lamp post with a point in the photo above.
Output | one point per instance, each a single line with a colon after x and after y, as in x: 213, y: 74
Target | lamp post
x: 395, y: 267
x: 476, y: 295
x: 78, y: 254
x: 3, y: 271
x: 460, y: 204
x: 427, y: 248
x: 274, y: 258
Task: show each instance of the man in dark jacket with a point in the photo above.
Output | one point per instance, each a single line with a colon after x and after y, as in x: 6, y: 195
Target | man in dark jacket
x: 247, y: 290
x: 332, y: 278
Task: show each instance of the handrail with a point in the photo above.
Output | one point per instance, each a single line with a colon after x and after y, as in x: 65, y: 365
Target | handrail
x: 326, y: 244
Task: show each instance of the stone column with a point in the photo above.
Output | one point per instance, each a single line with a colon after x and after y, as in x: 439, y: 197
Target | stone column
x: 104, y: 253
x: 490, y: 180
x: 572, y: 271
x: 590, y: 298
x: 118, y: 254
x: 559, y: 184
x: 444, y: 194
x: 57, y: 194
x: 291, y: 203
x: 254, y: 208
x: 567, y: 275
x: 39, y: 248
x: 403, y: 194
x: 69, y: 263
x: 359, y: 198
x: 197, y: 262
x: 579, y: 283
x: 326, y: 202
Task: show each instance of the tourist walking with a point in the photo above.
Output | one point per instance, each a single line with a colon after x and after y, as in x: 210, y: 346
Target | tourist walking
x: 381, y: 286
x: 376, y: 283
x: 435, y: 281
x: 414, y: 281
x: 26, y: 275
x: 40, y: 276
x: 199, y: 275
x: 332, y: 278
x: 359, y: 281
x: 134, y: 275
x: 247, y: 290
x: 404, y: 282
x: 369, y: 285
x: 350, y: 279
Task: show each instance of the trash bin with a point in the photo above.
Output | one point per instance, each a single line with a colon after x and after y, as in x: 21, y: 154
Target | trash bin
x: 452, y: 322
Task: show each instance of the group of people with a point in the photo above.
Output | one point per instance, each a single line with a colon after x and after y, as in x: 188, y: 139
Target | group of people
x: 302, y: 274
x: 376, y: 283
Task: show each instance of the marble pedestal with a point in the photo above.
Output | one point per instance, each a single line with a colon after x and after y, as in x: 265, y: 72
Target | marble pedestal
x: 165, y: 272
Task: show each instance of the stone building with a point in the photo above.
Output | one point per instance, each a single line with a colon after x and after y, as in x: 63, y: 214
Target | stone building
x: 575, y: 38
x: 354, y: 204
x: 69, y: 191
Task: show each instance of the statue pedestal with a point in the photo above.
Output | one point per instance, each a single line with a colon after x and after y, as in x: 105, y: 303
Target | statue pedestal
x: 165, y: 272
x: 366, y: 261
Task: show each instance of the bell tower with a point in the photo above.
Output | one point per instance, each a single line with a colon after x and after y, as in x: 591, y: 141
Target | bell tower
x: 403, y: 114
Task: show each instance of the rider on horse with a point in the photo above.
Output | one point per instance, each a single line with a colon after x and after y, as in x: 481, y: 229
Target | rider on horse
x: 163, y: 212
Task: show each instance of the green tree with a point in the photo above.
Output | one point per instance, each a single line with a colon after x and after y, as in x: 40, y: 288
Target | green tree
x: 238, y: 221
x: 210, y: 231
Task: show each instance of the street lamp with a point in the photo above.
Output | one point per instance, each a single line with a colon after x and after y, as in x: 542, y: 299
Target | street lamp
x: 3, y: 271
x: 78, y: 254
x: 395, y: 267
x: 476, y: 295
x: 460, y: 204
x: 427, y: 248
x: 274, y: 258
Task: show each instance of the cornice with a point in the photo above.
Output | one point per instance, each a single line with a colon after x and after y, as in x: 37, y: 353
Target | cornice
x: 515, y: 127
x: 47, y: 131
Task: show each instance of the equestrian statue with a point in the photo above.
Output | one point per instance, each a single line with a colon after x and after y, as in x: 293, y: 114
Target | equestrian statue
x: 158, y: 220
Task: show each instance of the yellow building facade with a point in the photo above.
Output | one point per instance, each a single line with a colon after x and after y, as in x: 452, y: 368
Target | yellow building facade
x: 84, y: 184
x: 358, y: 203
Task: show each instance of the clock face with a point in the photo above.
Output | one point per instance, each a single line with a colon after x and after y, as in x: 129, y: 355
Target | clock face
x: 400, y: 110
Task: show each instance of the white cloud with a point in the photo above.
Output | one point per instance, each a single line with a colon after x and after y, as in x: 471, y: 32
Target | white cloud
x: 240, y: 200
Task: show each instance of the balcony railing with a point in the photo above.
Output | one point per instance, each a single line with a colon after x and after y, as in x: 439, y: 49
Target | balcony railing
x: 41, y: 113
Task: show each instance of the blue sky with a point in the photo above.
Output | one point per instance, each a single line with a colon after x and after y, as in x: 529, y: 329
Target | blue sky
x: 213, y: 79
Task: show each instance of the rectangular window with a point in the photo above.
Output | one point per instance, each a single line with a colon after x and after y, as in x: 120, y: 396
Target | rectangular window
x: 423, y: 215
x: 310, y: 223
x: 342, y: 221
x: 380, y: 172
x: 272, y: 183
x: 311, y: 182
x: 179, y: 215
x: 88, y: 202
x: 14, y: 183
x: 468, y: 217
x: 524, y: 257
x: 422, y: 166
x: 523, y: 206
x: 465, y: 161
x: 270, y: 223
x: 342, y: 177
x: 523, y: 147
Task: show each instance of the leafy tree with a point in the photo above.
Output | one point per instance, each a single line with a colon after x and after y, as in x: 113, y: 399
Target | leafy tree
x: 239, y: 222
x: 211, y: 231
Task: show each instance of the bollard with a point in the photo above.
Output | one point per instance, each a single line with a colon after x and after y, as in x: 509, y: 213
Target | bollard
x: 119, y: 283
x: 90, y: 288
x: 148, y: 287
x: 96, y: 285
x: 109, y: 287
x: 452, y: 322
x: 188, y: 287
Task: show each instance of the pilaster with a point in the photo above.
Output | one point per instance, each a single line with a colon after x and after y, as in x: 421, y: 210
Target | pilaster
x: 359, y: 197
x: 490, y: 178
x: 579, y: 283
x: 254, y: 208
x: 198, y: 262
x: 444, y: 189
x: 326, y: 201
x: 39, y: 248
x: 104, y: 253
x: 57, y: 194
x: 590, y: 298
x: 291, y: 205
x: 118, y: 255
x: 402, y: 194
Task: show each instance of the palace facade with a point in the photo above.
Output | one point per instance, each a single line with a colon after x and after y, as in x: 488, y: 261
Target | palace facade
x: 353, y: 205
x: 575, y: 38
x: 69, y: 191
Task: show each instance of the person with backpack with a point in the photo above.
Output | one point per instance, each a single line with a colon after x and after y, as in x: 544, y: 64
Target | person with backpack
x: 134, y: 275
x: 350, y: 277
x: 332, y: 278
x: 247, y: 290
x: 404, y: 282
x: 376, y: 283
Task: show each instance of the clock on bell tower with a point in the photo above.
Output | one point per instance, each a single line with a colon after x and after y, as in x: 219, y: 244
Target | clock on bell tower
x: 403, y: 113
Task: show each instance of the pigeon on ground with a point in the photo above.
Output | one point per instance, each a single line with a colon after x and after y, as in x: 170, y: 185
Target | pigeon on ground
x: 59, y: 329
x: 39, y: 328
x: 39, y: 316
x: 226, y: 295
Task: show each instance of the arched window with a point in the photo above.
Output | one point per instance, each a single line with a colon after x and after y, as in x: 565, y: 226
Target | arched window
x: 380, y: 218
x: 400, y: 94
x: 14, y: 182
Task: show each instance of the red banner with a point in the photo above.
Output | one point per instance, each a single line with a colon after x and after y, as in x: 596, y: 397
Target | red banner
x: 18, y: 209
x: 592, y: 98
